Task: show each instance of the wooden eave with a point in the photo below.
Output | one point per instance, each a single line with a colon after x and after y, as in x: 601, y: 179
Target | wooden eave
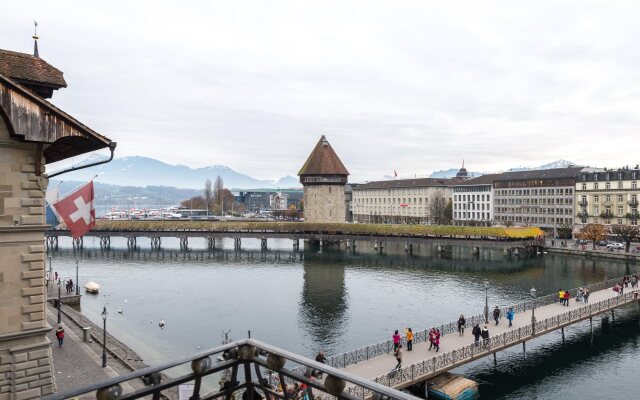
x: 33, y: 119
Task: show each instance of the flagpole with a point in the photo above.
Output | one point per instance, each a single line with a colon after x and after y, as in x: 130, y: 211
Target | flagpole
x: 77, y: 187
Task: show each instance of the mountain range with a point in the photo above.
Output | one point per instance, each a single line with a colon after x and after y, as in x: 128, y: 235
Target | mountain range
x: 146, y: 171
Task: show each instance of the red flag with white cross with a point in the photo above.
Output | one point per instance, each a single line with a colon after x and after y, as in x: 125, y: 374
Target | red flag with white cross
x: 76, y: 210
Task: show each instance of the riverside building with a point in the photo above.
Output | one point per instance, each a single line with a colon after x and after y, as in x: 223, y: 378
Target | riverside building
x: 544, y: 198
x: 608, y: 197
x: 33, y: 132
x: 402, y: 200
x: 324, y: 178
x: 473, y: 201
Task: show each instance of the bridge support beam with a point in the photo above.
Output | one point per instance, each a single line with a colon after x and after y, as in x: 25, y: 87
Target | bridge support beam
x: 408, y: 248
x: 78, y: 243
x: 155, y: 243
x: 131, y: 243
x: 562, y: 330
x: 211, y: 243
x: 263, y: 244
x: 105, y: 242
x: 296, y: 244
x: 524, y: 349
x: 237, y: 243
x: 495, y: 359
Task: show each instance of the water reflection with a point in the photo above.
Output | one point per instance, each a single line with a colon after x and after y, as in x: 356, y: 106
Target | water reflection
x: 323, y: 302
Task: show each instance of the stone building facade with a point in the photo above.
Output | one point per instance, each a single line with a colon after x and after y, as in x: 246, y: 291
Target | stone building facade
x: 544, y: 198
x: 608, y: 197
x: 401, y: 200
x: 324, y: 177
x: 32, y: 132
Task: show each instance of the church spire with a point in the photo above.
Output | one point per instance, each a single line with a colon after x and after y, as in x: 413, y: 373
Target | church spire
x: 35, y: 39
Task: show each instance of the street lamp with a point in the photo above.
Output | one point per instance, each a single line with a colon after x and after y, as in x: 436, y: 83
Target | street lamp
x: 59, y: 300
x: 50, y: 279
x: 486, y: 301
x: 104, y: 336
x: 533, y: 311
x: 77, y: 287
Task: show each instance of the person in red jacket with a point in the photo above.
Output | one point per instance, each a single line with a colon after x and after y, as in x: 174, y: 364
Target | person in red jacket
x: 60, y: 335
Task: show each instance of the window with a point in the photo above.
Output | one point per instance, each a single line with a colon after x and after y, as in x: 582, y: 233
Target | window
x: 607, y: 186
x: 620, y: 211
x: 634, y: 185
x: 619, y: 185
x: 595, y: 186
x: 607, y: 198
x: 619, y: 197
x: 584, y: 186
x: 596, y: 198
x: 619, y: 221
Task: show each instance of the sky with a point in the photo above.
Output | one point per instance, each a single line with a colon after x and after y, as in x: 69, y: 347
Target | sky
x: 411, y: 86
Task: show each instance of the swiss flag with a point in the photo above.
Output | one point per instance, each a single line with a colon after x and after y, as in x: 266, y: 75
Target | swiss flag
x: 76, y: 210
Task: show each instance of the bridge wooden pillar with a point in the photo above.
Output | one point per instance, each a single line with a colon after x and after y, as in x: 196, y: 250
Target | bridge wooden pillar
x: 184, y: 243
x: 263, y: 243
x: 155, y: 243
x: 211, y: 243
x: 296, y: 244
x: 131, y: 242
x: 237, y: 243
x: 105, y: 242
x: 408, y: 248
x: 78, y: 243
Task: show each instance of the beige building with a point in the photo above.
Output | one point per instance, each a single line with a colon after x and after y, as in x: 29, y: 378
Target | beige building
x: 608, y: 197
x: 402, y: 200
x: 324, y: 178
x: 32, y: 132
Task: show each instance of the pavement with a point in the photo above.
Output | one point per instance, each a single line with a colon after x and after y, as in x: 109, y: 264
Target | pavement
x: 75, y: 364
x: 383, y: 364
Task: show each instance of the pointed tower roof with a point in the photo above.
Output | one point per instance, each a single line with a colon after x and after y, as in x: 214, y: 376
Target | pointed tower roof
x: 323, y: 161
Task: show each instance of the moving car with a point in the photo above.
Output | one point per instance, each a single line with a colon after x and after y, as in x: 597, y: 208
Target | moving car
x: 615, y: 246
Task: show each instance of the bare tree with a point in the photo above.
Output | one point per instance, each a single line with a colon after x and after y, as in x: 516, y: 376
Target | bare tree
x: 628, y: 234
x: 208, y: 194
x: 218, y: 188
x: 438, y: 210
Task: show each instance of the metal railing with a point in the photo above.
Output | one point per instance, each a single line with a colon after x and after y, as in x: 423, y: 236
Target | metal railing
x: 448, y: 360
x: 245, y: 361
x: 386, y: 347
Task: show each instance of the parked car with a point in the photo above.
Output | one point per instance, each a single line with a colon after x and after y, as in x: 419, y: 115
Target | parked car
x: 582, y: 241
x: 602, y: 243
x: 615, y: 246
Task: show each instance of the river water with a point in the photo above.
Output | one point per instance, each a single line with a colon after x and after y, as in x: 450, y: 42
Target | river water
x: 337, y: 300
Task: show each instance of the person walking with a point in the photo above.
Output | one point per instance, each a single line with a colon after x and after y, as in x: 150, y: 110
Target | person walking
x: 567, y: 296
x: 409, y: 334
x: 436, y: 340
x: 398, y: 354
x: 461, y: 323
x: 432, y: 334
x: 321, y: 358
x: 485, y: 335
x: 585, y: 295
x: 396, y: 340
x: 60, y: 335
x: 476, y: 332
x: 496, y: 314
x: 510, y: 315
x: 561, y: 296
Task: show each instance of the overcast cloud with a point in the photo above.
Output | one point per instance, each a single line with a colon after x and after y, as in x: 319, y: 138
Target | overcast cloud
x: 412, y: 86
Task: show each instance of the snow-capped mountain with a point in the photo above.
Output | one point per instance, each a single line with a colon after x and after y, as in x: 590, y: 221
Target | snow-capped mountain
x: 146, y: 171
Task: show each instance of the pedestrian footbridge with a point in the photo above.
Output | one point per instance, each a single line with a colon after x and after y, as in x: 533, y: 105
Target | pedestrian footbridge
x: 532, y: 319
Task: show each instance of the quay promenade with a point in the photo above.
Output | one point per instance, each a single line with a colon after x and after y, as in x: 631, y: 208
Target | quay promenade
x: 376, y: 362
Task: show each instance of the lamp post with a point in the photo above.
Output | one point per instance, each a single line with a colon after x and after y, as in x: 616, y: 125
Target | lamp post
x: 486, y: 301
x: 533, y: 311
x: 77, y: 287
x: 59, y: 300
x: 104, y: 336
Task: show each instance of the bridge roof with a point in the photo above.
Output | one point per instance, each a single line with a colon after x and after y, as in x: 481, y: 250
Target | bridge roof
x: 323, y: 160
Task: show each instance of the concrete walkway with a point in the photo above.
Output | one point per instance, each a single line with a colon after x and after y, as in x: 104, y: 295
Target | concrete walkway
x: 381, y: 365
x: 75, y: 364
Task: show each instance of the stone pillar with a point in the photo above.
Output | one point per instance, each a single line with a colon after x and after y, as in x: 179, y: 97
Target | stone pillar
x: 25, y: 351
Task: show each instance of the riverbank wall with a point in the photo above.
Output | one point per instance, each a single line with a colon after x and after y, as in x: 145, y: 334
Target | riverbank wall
x: 618, y: 255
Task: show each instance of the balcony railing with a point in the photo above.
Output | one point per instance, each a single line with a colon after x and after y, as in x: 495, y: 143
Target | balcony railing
x: 583, y: 203
x: 606, y: 215
x: 244, y: 364
x: 633, y: 203
x: 583, y: 214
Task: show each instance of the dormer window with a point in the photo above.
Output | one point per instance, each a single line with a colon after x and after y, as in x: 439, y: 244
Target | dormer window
x: 595, y: 177
x: 607, y: 176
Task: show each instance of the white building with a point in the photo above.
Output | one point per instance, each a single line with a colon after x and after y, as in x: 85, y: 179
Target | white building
x: 473, y: 201
x: 401, y: 200
x: 278, y: 201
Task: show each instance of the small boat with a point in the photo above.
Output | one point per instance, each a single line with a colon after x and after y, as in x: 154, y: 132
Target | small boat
x: 92, y: 287
x: 450, y: 386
